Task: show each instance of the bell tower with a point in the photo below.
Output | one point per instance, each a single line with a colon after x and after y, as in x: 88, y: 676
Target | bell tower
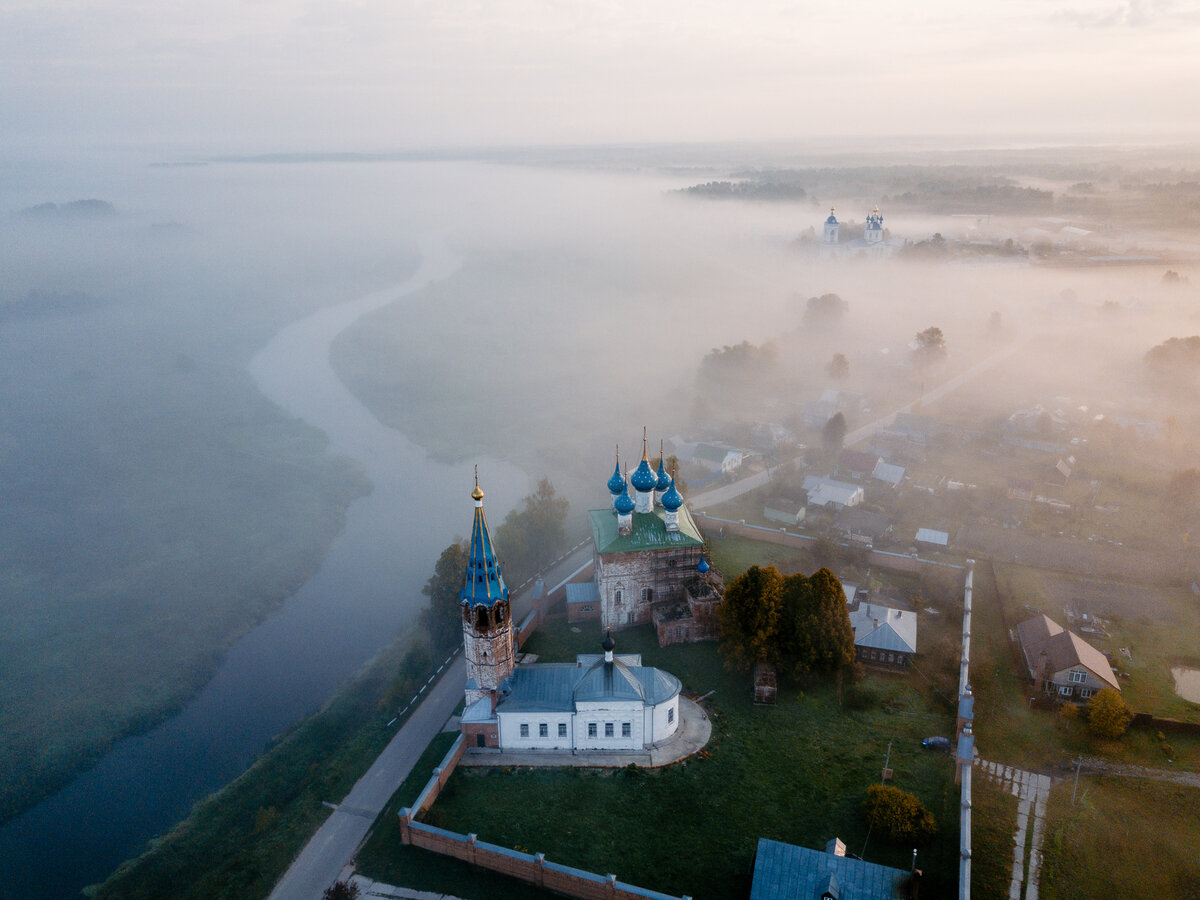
x: 486, y: 615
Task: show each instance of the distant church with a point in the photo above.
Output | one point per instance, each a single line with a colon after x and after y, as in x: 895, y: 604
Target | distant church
x: 606, y: 702
x: 874, y: 242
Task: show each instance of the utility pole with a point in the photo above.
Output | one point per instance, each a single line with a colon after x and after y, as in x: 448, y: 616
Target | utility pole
x: 1075, y: 787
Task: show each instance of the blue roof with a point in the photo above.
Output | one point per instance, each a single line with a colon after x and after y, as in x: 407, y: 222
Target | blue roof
x: 664, y: 480
x: 616, y: 484
x: 643, y: 478
x: 672, y: 499
x: 624, y: 504
x: 787, y: 872
x: 484, y: 585
x: 832, y: 220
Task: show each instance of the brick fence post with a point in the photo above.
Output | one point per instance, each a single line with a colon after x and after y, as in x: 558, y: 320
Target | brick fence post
x: 405, y: 822
x: 610, y: 885
x: 471, y: 838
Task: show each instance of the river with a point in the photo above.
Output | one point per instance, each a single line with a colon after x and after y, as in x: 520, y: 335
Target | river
x: 364, y: 592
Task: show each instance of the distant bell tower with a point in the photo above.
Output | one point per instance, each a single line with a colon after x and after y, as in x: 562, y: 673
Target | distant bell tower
x: 873, y: 233
x: 831, y: 228
x: 486, y: 616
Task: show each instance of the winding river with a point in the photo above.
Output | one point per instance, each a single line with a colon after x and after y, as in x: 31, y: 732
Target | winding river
x: 366, y: 589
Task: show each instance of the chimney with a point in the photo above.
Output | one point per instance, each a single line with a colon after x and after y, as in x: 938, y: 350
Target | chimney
x: 835, y: 847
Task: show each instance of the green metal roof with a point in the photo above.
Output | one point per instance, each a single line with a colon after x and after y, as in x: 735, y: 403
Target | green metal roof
x: 649, y: 532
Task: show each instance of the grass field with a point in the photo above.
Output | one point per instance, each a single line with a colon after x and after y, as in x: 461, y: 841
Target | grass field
x: 993, y: 821
x: 796, y: 772
x: 1155, y: 849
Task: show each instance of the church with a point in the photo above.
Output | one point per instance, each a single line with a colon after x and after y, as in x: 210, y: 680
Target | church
x: 874, y: 241
x: 599, y: 702
x: 648, y: 559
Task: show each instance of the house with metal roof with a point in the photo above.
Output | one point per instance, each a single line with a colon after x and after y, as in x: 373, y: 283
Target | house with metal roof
x: 1061, y: 663
x: 601, y: 702
x: 883, y: 636
x: 788, y: 872
x: 829, y: 492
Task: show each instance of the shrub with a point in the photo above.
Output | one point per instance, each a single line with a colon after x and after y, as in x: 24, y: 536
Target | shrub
x: 1108, y: 716
x: 899, y: 816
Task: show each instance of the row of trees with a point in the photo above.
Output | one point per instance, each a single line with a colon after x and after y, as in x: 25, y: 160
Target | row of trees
x: 795, y: 621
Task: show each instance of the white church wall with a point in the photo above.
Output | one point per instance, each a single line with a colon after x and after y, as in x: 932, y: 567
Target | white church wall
x: 592, y: 722
x: 662, y: 720
x: 532, y: 724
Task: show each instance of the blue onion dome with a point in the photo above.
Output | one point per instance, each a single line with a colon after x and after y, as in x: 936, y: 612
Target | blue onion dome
x: 625, y: 504
x: 832, y: 220
x: 672, y: 499
x: 616, y: 484
x: 703, y: 567
x: 664, y: 480
x: 643, y: 478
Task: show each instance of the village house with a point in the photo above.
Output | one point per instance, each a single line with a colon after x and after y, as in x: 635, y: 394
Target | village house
x: 1061, y: 663
x: 883, y: 637
x: 784, y: 511
x: 832, y: 494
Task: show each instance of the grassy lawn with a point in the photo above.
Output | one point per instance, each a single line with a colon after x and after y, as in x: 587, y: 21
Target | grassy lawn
x: 993, y: 822
x: 1084, y: 840
x: 1007, y: 729
x: 796, y: 772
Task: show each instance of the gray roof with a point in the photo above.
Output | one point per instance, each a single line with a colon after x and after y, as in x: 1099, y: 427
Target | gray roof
x: 932, y: 536
x: 787, y: 872
x: 582, y: 592
x: 888, y: 473
x: 557, y: 687
x: 896, y: 629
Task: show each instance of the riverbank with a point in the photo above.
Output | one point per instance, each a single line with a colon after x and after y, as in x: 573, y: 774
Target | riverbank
x: 237, y: 842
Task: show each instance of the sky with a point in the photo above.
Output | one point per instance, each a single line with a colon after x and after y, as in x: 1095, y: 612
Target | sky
x: 377, y: 75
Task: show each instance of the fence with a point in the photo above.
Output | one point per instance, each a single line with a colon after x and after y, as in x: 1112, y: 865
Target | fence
x: 882, y: 558
x: 533, y: 868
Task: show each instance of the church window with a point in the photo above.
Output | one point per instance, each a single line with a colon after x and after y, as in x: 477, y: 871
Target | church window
x: 524, y: 729
x: 562, y: 729
x: 670, y: 715
x: 543, y: 730
x: 626, y: 729
x: 608, y: 729
x: 591, y: 729
x: 499, y: 614
x: 629, y: 619
x: 617, y: 598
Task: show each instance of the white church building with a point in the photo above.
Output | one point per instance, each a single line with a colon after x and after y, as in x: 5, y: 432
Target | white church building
x: 874, y: 241
x: 600, y: 702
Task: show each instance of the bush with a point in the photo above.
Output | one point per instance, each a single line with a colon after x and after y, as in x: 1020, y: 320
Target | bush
x: 1108, y: 716
x: 899, y: 816
x: 861, y: 696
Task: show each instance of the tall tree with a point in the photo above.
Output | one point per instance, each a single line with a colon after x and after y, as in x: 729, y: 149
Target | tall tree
x: 838, y: 368
x: 833, y: 432
x: 815, y: 631
x: 441, y: 617
x: 931, y: 347
x: 1108, y: 715
x: 749, y: 617
x: 824, y: 311
x: 532, y: 537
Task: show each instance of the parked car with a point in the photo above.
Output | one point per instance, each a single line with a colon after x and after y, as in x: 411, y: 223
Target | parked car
x: 936, y: 743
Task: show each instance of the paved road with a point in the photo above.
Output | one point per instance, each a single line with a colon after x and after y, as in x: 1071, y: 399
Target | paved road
x: 321, y: 861
x: 331, y: 849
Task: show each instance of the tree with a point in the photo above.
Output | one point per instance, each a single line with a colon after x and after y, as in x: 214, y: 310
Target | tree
x: 413, y: 672
x: 897, y: 815
x: 833, y: 432
x: 441, y: 617
x: 838, y: 368
x: 673, y: 470
x: 531, y: 538
x: 815, y: 630
x: 931, y: 347
x: 341, y: 890
x: 824, y: 311
x: 749, y: 617
x: 1108, y: 715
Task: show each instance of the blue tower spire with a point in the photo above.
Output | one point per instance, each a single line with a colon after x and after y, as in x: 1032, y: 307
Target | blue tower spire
x: 484, y: 585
